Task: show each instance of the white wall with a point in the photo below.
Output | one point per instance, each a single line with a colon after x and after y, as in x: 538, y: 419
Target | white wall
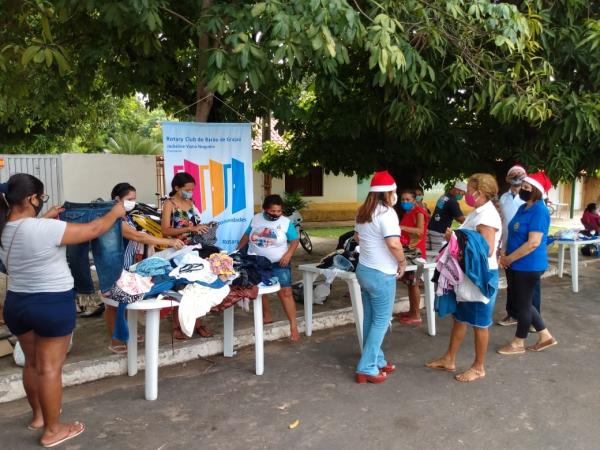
x: 336, y: 189
x: 89, y: 176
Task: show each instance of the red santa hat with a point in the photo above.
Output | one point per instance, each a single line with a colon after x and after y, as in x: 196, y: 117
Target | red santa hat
x: 382, y: 182
x: 540, y: 181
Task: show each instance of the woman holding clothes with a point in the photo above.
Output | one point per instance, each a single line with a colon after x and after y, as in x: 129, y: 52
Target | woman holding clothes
x: 181, y: 219
x: 525, y: 261
x: 40, y: 300
x: 482, y: 189
x: 381, y: 263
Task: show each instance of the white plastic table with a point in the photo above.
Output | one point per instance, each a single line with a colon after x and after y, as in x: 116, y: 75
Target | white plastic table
x: 152, y: 306
x: 310, y: 272
x: 574, y: 258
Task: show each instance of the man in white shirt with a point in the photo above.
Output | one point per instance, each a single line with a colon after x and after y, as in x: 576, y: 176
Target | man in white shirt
x: 509, y: 204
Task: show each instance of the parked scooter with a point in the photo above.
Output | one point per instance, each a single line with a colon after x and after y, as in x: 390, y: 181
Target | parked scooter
x: 305, y: 242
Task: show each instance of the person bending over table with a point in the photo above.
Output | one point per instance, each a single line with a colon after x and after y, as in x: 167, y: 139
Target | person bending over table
x: 274, y: 236
x: 126, y: 193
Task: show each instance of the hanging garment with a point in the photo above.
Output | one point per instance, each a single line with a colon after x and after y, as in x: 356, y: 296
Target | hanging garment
x: 107, y: 249
x: 236, y: 295
x: 475, y: 257
x: 196, y: 301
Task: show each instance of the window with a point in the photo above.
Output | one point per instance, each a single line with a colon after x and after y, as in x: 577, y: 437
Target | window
x: 311, y: 185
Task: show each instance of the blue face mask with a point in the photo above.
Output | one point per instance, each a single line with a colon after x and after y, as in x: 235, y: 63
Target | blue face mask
x: 419, y: 198
x: 186, y: 195
x: 458, y: 197
x: 407, y: 206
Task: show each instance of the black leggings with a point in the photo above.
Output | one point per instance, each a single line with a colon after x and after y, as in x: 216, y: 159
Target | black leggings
x: 519, y: 302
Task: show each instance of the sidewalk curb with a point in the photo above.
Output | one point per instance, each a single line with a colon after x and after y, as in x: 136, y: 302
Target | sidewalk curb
x: 11, y: 386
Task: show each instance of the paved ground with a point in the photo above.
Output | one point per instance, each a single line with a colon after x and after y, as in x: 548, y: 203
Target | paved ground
x: 549, y: 400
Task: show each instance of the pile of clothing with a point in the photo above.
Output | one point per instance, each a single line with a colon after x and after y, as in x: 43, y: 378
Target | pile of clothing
x: 200, y: 279
x: 462, y: 273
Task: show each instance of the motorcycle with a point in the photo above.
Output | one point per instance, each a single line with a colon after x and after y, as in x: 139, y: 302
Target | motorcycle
x: 305, y: 241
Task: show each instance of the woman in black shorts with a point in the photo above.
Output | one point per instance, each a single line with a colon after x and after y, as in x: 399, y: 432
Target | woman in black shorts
x: 40, y: 300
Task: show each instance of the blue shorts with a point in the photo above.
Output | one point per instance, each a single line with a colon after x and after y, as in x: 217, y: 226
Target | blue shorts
x: 283, y: 274
x: 47, y: 314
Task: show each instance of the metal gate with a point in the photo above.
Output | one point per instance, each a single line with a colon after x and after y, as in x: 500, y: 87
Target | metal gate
x: 47, y: 168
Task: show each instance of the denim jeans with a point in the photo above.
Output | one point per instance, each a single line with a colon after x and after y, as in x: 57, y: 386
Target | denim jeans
x: 378, y: 292
x: 107, y: 249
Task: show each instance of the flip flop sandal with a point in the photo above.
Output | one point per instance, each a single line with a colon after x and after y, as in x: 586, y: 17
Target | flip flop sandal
x: 539, y: 346
x: 204, y: 332
x: 69, y: 436
x: 408, y: 321
x: 118, y: 349
x: 444, y: 368
x: 478, y: 376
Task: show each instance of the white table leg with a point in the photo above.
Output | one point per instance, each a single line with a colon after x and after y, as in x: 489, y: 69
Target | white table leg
x: 132, y: 344
x: 357, y: 308
x: 259, y: 341
x: 152, y: 329
x: 574, y: 257
x: 561, y: 260
x: 308, y: 279
x: 429, y: 300
x: 228, y: 317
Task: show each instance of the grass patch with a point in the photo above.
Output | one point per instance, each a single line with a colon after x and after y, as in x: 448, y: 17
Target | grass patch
x: 328, y: 232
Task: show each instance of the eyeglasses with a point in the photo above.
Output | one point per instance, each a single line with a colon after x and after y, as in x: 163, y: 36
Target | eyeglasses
x: 44, y: 198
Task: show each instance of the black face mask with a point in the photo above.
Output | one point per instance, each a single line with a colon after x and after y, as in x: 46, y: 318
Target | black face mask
x: 270, y: 217
x: 525, y: 195
x: 37, y: 209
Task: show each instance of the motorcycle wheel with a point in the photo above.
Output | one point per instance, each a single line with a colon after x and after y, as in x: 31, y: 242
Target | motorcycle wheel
x: 305, y: 241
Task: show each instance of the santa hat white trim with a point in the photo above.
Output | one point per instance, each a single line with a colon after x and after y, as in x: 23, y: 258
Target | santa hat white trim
x: 387, y: 188
x: 535, y: 183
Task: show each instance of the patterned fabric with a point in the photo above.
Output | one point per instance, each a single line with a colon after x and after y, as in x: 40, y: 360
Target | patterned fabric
x: 134, y: 284
x: 131, y: 248
x: 221, y: 264
x: 183, y: 219
x: 119, y: 295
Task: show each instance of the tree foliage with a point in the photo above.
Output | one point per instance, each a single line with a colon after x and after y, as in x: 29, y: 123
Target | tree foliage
x: 430, y: 89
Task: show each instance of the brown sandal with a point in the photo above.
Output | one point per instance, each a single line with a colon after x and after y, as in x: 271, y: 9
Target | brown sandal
x: 539, y: 346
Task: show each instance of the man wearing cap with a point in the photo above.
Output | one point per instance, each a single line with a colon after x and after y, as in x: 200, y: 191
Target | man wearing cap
x: 446, y: 210
x: 509, y: 204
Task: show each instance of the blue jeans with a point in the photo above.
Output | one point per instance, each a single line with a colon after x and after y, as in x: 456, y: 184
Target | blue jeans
x: 107, y: 249
x: 378, y: 292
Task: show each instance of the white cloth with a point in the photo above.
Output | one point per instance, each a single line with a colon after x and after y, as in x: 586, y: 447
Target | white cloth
x: 467, y: 291
x: 487, y: 214
x: 374, y: 252
x: 38, y: 263
x: 201, y: 272
x: 268, y: 238
x: 196, y: 301
x: 508, y: 207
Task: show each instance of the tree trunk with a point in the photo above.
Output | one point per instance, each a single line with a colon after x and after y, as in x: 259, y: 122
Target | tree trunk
x: 266, y: 136
x: 203, y: 107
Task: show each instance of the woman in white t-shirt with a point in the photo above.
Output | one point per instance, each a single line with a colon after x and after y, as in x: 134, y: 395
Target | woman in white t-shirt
x: 40, y: 300
x: 381, y: 263
x: 482, y: 190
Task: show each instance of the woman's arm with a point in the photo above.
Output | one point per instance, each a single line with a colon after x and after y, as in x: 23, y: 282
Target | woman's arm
x: 534, y: 239
x: 419, y: 229
x: 77, y: 233
x: 489, y: 234
x: 243, y: 241
x: 134, y: 235
x: 395, y: 247
x: 287, y: 257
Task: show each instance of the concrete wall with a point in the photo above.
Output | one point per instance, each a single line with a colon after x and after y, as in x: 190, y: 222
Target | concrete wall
x: 89, y: 176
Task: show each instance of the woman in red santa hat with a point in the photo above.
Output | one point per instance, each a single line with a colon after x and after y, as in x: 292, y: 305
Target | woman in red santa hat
x: 381, y: 262
x: 526, y: 259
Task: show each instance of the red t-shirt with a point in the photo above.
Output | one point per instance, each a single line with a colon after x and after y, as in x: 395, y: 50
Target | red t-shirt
x: 590, y: 220
x: 410, y: 220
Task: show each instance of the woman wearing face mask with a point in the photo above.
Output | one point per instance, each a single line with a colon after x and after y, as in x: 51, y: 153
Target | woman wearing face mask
x: 40, y: 300
x: 526, y: 259
x: 482, y: 190
x: 274, y: 236
x: 420, y: 196
x: 414, y: 235
x: 381, y: 263
x: 181, y: 219
x: 126, y: 193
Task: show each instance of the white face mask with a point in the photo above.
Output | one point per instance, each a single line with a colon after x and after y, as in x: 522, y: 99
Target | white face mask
x: 394, y: 199
x: 128, y: 205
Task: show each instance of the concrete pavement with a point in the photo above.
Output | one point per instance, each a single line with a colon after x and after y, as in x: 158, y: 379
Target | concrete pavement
x: 547, y: 400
